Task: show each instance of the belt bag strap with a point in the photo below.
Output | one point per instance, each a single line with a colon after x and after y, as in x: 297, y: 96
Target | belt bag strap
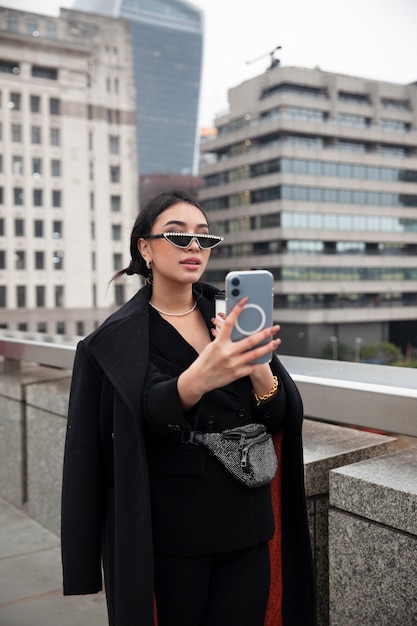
x: 247, y: 452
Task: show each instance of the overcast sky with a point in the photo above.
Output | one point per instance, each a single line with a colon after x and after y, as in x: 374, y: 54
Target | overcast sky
x: 375, y: 39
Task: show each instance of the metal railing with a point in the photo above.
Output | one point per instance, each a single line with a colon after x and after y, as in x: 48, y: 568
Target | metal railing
x: 377, y: 397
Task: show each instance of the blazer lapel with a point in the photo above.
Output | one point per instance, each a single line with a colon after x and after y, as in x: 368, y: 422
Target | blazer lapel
x: 121, y: 348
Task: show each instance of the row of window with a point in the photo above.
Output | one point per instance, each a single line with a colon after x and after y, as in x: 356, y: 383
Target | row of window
x: 38, y: 228
x: 313, y: 168
x: 37, y: 71
x: 315, y: 115
x: 31, y: 26
x: 40, y: 292
x: 21, y: 300
x: 317, y: 221
x: 39, y: 260
x: 336, y: 274
x: 15, y: 102
x: 38, y: 199
x: 20, y: 258
x: 35, y: 135
x: 279, y: 246
x: 316, y: 143
x: 400, y: 104
x: 311, y: 194
x: 36, y: 166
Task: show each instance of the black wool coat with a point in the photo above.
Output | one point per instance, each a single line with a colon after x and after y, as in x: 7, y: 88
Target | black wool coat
x: 105, y: 495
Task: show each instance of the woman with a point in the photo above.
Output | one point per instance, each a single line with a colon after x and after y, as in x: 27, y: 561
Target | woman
x: 182, y: 542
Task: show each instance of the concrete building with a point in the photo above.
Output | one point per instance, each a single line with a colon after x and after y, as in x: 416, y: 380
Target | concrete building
x: 167, y: 41
x: 68, y: 169
x: 315, y: 179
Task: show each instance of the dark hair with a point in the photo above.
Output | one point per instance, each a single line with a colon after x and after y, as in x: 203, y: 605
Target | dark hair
x: 143, y: 226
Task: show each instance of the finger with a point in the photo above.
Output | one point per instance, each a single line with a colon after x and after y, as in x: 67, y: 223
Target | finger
x: 231, y: 319
x: 262, y: 335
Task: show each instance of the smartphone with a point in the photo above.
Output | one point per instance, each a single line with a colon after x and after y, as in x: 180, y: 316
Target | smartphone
x: 258, y: 286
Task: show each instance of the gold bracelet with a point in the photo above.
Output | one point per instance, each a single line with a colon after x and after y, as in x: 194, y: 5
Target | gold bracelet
x: 270, y: 394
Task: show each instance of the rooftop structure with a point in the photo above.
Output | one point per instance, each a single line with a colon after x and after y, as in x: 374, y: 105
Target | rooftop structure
x: 315, y: 178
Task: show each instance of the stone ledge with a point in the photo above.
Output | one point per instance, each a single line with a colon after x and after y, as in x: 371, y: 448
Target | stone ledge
x: 383, y: 490
x: 327, y: 446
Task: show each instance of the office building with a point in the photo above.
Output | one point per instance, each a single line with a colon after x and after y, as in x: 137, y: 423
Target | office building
x: 315, y: 179
x: 167, y: 38
x: 68, y: 169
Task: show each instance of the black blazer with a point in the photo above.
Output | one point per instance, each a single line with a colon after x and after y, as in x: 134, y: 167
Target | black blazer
x: 197, y: 506
x: 106, y: 509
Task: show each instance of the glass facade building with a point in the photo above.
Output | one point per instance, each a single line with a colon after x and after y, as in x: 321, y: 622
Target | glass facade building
x: 313, y: 176
x: 167, y: 39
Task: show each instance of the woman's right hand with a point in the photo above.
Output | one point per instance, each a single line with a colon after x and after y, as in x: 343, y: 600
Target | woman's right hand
x: 223, y: 360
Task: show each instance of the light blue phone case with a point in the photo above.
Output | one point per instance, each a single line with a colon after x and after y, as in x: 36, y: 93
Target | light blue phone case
x: 257, y: 285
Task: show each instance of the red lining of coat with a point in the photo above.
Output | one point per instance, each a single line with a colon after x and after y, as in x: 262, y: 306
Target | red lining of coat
x: 274, y: 609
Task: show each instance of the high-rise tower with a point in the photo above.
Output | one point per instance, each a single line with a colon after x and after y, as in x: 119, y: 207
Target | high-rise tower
x: 167, y: 37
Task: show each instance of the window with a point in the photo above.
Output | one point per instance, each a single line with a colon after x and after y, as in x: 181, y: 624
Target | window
x: 20, y: 260
x: 36, y: 135
x: 58, y: 260
x: 119, y: 294
x: 50, y: 73
x: 54, y: 106
x: 2, y: 260
x: 39, y: 260
x: 55, y: 167
x: 18, y: 196
x: 117, y: 262
x: 41, y: 327
x: 36, y: 167
x: 32, y: 27
x: 115, y: 203
x: 12, y: 24
x: 51, y: 30
x: 351, y: 120
x: 114, y: 174
x: 38, y: 228
x: 9, y: 67
x: 57, y: 229
x: 1, y: 195
x: 55, y: 137
x: 393, y: 126
x: 60, y: 328
x: 35, y: 104
x: 116, y: 232
x: 3, y: 296
x: 16, y: 133
x: 56, y: 198
x: 37, y: 197
x: 79, y: 329
x: 2, y: 229
x: 354, y: 98
x: 17, y: 165
x: 59, y: 295
x: 1, y: 162
x: 15, y: 101
x: 40, y: 296
x: 114, y: 144
x: 19, y: 228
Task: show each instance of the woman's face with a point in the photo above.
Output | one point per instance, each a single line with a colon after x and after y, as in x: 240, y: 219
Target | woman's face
x: 170, y: 263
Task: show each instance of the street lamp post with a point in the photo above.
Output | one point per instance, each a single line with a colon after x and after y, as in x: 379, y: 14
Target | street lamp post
x: 358, y: 341
x: 334, y: 342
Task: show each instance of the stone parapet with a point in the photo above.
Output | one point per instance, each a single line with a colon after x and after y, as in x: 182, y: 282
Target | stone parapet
x: 326, y: 447
x: 15, y: 387
x: 373, y: 542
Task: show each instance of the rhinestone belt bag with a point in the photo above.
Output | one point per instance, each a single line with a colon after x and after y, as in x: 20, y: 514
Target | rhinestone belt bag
x: 247, y: 452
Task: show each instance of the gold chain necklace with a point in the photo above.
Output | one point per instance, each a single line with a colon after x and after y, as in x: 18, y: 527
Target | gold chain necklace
x: 174, y: 314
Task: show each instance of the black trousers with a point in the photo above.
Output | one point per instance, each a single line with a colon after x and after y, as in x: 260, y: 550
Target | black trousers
x: 228, y: 589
